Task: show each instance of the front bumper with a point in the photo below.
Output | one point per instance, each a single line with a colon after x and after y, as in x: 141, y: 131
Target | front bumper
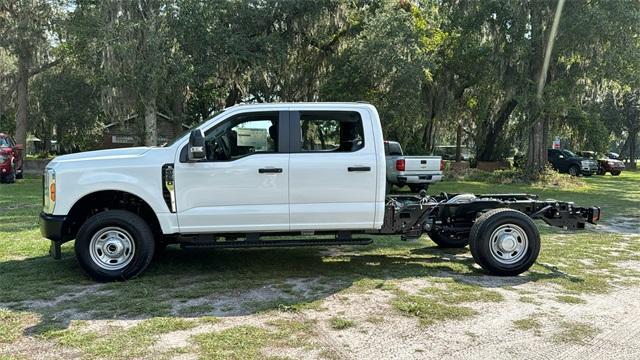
x: 52, y: 227
x: 5, y: 168
x: 418, y: 179
x: 589, y: 170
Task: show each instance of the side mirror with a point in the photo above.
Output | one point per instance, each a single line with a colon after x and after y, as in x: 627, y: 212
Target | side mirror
x: 560, y: 156
x: 195, y: 149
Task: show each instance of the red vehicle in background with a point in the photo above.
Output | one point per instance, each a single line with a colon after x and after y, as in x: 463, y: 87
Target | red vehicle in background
x: 10, y: 159
x: 605, y: 164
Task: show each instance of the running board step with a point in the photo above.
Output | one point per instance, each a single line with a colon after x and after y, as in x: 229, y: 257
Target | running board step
x: 272, y: 243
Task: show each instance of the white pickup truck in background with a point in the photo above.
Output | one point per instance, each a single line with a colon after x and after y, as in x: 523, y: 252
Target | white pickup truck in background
x: 254, y: 174
x: 415, y: 171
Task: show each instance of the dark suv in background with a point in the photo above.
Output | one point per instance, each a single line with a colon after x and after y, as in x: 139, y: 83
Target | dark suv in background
x: 567, y: 162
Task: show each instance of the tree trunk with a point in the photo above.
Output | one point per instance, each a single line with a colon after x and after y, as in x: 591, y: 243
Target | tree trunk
x: 494, y: 134
x: 537, y: 150
x: 150, y: 123
x: 633, y: 141
x: 459, y: 143
x: 22, y: 93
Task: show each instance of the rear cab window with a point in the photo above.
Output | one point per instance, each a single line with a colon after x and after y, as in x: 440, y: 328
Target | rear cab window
x: 392, y: 149
x: 331, y: 131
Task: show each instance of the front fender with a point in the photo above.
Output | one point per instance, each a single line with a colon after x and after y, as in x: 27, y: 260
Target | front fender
x: 74, y: 186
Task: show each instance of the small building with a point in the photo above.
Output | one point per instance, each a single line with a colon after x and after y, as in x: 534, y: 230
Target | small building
x: 130, y: 133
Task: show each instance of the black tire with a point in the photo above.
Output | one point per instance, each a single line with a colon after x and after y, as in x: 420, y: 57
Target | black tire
x: 126, y: 222
x: 9, y: 178
x: 444, y: 240
x: 615, y: 173
x: 20, y: 174
x: 416, y: 188
x: 510, y: 222
x: 574, y: 170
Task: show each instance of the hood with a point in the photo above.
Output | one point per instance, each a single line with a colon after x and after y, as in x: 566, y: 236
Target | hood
x: 103, y: 154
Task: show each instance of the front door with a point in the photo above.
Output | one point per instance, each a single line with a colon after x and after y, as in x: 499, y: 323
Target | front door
x: 243, y: 186
x: 333, y: 171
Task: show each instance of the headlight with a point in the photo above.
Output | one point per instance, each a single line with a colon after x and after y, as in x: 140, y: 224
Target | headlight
x: 584, y: 163
x: 49, y: 190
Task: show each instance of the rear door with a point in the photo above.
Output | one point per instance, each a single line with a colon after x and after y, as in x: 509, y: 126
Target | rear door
x: 333, y: 173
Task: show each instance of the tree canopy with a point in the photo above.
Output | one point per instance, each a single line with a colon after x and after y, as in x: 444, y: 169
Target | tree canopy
x: 431, y: 67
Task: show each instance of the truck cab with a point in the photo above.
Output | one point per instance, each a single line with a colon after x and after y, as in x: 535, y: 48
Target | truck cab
x: 272, y: 168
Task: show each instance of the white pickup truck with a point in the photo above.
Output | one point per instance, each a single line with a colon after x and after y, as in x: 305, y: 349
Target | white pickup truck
x: 256, y: 171
x: 417, y: 172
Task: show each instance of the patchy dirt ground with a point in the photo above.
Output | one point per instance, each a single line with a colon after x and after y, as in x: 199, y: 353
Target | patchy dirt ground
x: 524, y: 319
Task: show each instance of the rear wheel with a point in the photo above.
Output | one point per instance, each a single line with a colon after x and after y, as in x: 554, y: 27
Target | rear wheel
x: 445, y: 240
x: 574, y: 170
x: 416, y: 188
x: 504, y: 242
x: 114, y: 245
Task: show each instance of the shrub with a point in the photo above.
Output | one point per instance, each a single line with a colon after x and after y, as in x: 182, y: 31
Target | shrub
x: 548, y: 177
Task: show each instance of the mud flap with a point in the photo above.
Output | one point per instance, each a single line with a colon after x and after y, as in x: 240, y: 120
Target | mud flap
x: 55, y: 250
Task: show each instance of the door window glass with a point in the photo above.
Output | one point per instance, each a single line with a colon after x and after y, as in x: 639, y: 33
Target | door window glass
x: 242, y: 136
x: 331, y: 131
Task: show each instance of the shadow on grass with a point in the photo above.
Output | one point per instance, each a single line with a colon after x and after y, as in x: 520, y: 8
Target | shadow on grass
x: 190, y: 283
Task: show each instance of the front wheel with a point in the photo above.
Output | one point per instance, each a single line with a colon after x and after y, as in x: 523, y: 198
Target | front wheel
x: 114, y: 245
x: 574, y: 170
x: 615, y: 173
x: 504, y: 242
x: 10, y: 178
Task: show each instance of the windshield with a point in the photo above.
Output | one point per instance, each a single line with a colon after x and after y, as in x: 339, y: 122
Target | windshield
x: 182, y: 134
x: 5, y: 142
x: 569, y: 153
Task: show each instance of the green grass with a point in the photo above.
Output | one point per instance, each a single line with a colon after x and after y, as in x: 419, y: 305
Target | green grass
x: 119, y: 344
x: 575, y: 332
x: 38, y: 295
x: 340, y: 323
x: 250, y: 342
x: 429, y: 311
x: 568, y: 299
x: 530, y: 323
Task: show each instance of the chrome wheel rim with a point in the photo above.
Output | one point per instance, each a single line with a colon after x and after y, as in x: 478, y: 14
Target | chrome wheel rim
x: 509, y: 243
x: 112, y: 248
